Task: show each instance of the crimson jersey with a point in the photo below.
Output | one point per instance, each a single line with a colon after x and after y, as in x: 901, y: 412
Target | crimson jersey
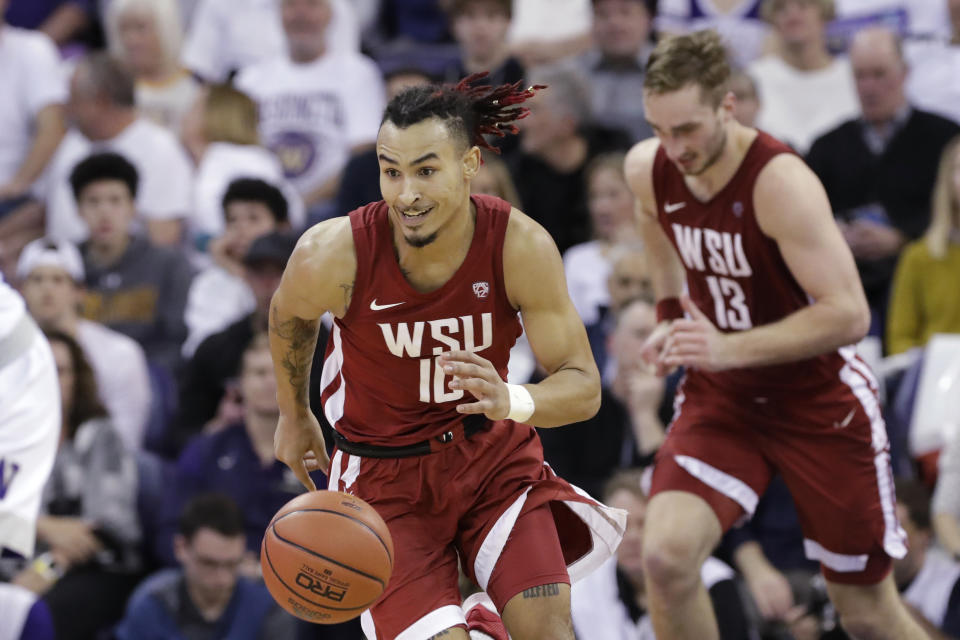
x: 381, y: 381
x: 735, y: 273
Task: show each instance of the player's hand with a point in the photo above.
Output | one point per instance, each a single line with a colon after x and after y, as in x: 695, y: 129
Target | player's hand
x: 298, y: 443
x: 694, y: 342
x: 652, y: 350
x: 771, y: 592
x: 478, y: 376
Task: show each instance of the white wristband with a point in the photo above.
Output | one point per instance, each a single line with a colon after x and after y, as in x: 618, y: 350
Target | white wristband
x: 521, y: 403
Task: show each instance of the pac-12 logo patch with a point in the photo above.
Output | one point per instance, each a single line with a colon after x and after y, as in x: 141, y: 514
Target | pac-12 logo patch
x: 481, y: 289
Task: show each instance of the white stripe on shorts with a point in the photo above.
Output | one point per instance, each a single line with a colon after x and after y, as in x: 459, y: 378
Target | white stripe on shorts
x: 839, y: 562
x: 734, y: 488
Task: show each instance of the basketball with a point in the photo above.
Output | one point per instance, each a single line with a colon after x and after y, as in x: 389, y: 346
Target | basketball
x: 326, y: 556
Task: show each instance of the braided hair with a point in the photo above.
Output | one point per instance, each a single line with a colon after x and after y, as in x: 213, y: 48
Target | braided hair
x: 470, y: 110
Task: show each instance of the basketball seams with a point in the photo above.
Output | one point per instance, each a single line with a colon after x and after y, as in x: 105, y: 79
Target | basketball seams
x: 298, y: 594
x: 339, y: 513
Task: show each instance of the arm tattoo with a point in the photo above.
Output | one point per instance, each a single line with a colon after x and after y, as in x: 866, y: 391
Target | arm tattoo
x: 443, y: 633
x: 542, y: 591
x: 301, y: 336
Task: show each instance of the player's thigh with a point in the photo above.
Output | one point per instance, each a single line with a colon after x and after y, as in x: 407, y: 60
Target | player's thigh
x: 842, y: 486
x: 682, y: 526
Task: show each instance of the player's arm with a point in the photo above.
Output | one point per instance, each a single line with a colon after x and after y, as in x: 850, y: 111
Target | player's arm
x: 791, y: 208
x: 536, y: 285
x: 534, y: 279
x: 666, y: 271
x: 319, y: 277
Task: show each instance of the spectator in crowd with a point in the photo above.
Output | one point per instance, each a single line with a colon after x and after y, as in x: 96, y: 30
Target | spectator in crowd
x: 611, y: 602
x: 616, y: 62
x: 924, y: 299
x: 480, y: 29
x: 208, y: 395
x: 557, y: 143
x: 89, y: 513
x: 879, y: 169
x: 934, y: 82
x: 804, y: 89
x: 219, y: 295
x: 628, y: 280
x: 747, y: 105
x: 915, y: 19
x: 34, y: 123
x: 493, y: 179
x: 51, y: 279
x: 629, y: 427
x: 102, y: 111
x: 927, y: 577
x: 133, y: 287
x: 221, y: 134
x: 146, y: 36
x: 226, y: 36
x: 237, y: 459
x: 206, y: 597
x: 740, y: 24
x: 64, y: 21
x: 317, y: 105
x: 547, y: 31
x: 587, y: 265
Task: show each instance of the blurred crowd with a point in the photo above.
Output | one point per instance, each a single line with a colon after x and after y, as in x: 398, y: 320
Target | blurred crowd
x: 159, y: 159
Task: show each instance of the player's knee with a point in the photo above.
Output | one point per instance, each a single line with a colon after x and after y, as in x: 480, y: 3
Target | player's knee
x: 672, y: 564
x: 864, y: 626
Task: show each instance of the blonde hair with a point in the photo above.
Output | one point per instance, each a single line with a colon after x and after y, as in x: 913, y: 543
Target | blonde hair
x: 945, y: 217
x: 503, y: 182
x: 698, y: 58
x: 229, y: 115
x: 166, y: 20
x: 828, y: 9
x: 611, y: 160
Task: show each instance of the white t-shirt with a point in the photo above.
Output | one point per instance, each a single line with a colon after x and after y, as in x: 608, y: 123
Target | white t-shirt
x: 549, y: 20
x: 930, y: 590
x: 12, y: 308
x: 232, y: 34
x: 30, y: 79
x: 217, y: 299
x: 222, y: 163
x: 933, y: 83
x: 799, y: 106
x: 120, y: 368
x: 166, y: 176
x: 167, y: 103
x: 587, y: 270
x: 312, y: 114
x: 741, y: 28
x: 598, y: 613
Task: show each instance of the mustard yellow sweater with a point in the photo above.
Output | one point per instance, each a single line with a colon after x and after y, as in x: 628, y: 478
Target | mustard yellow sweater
x: 925, y: 298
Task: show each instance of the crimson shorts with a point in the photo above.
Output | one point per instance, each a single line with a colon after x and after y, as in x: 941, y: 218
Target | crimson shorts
x: 490, y: 503
x: 831, y: 449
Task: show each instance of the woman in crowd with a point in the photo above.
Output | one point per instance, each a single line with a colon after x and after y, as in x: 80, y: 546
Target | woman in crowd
x: 88, y: 531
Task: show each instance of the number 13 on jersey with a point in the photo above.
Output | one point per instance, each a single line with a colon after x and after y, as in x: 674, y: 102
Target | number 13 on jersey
x: 729, y: 303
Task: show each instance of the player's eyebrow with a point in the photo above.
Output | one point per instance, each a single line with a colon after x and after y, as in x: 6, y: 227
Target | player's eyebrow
x: 423, y: 158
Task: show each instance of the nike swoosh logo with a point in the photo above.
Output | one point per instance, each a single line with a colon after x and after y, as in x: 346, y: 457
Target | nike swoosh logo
x: 379, y: 307
x: 846, y: 421
x: 670, y: 207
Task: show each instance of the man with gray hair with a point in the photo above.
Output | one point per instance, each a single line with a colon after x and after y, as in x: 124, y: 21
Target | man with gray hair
x: 558, y: 140
x: 104, y: 118
x: 879, y: 169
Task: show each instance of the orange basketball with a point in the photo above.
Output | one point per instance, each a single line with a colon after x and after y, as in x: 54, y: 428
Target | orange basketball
x: 326, y: 556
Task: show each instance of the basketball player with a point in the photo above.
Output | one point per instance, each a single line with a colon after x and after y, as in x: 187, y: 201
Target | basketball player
x: 29, y: 423
x: 425, y: 287
x: 771, y: 384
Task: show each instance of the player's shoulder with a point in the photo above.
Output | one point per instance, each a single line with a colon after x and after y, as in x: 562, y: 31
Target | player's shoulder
x: 526, y: 236
x: 640, y: 158
x: 783, y: 173
x: 326, y: 242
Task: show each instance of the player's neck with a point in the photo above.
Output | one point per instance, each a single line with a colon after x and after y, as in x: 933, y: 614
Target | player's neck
x: 425, y: 267
x: 707, y: 184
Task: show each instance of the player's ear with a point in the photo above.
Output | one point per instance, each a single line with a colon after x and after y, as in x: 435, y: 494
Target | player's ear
x: 472, y: 159
x: 727, y: 103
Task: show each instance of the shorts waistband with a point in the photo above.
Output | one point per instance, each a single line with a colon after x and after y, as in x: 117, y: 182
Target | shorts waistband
x: 470, y: 425
x: 18, y: 341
